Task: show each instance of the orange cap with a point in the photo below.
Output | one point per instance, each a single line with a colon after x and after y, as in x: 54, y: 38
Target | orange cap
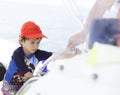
x: 31, y: 30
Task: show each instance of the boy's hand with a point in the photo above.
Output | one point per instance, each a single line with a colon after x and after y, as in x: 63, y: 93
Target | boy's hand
x: 27, y: 75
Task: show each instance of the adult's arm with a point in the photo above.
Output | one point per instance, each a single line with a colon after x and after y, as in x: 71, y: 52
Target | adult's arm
x: 97, y: 11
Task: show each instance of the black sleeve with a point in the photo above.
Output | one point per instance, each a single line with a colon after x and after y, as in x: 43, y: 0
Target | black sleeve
x: 18, y: 57
x: 42, y: 55
x: 2, y: 71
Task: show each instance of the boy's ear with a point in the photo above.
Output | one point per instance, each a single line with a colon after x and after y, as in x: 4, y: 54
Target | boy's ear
x: 21, y: 40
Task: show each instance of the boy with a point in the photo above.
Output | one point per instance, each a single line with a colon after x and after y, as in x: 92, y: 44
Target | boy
x: 25, y: 58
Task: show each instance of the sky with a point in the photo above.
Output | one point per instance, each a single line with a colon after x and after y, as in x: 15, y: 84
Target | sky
x: 56, y: 2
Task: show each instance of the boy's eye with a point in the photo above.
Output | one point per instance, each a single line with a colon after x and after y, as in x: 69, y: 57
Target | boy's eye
x: 32, y: 42
x: 38, y: 42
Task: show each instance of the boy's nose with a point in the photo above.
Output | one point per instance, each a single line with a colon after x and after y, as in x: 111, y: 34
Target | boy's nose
x: 35, y: 46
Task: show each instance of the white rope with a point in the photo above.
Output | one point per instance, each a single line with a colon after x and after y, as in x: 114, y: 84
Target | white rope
x: 40, y: 67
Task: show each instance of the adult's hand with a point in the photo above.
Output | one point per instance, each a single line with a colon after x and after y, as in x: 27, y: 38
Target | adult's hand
x: 75, y: 40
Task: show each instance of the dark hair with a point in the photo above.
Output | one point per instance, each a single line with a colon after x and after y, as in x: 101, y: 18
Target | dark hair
x: 23, y: 39
x: 2, y: 71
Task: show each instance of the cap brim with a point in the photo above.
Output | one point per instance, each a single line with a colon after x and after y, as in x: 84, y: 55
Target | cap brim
x: 34, y: 36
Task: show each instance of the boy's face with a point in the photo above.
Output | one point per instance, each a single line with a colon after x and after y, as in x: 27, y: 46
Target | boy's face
x: 30, y: 45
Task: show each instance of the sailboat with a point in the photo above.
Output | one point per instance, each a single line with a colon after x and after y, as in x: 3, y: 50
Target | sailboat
x: 95, y: 71
x: 80, y: 74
